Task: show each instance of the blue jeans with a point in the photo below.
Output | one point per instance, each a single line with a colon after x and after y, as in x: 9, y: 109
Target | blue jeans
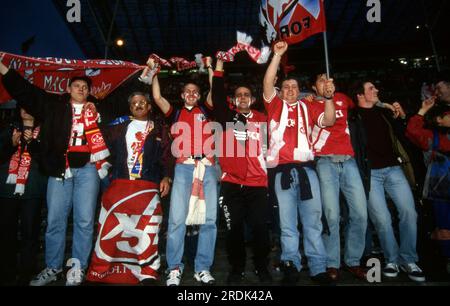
x: 343, y: 176
x: 80, y: 193
x: 393, y: 181
x: 310, y: 211
x: 179, y: 206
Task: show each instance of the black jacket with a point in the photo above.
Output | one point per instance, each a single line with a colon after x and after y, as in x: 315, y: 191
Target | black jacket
x: 55, y: 114
x: 401, y: 146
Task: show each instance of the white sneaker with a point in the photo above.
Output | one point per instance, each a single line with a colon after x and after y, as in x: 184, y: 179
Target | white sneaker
x: 414, y: 272
x: 391, y: 270
x: 45, y: 277
x: 75, y: 277
x: 204, y: 277
x: 174, y: 277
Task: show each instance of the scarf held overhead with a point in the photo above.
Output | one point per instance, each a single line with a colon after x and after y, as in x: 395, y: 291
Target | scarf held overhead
x: 53, y: 74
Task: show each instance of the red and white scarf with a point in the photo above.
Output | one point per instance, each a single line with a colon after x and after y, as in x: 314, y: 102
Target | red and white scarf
x: 197, y: 204
x: 244, y: 44
x: 95, y: 143
x: 19, y: 166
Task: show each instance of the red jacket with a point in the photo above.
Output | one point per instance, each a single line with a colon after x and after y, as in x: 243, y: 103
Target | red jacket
x: 422, y: 137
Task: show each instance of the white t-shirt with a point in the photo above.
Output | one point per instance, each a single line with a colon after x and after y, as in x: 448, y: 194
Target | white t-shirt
x: 134, y: 136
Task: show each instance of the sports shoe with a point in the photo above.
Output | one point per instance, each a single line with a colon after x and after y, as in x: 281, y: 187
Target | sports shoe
x: 46, y: 277
x: 174, y: 277
x: 414, y: 272
x: 75, y: 277
x: 290, y: 272
x: 391, y: 270
x: 204, y: 277
x: 358, y: 272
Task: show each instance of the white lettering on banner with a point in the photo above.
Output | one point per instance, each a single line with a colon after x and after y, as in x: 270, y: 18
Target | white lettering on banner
x: 74, y: 13
x: 374, y: 13
x: 55, y: 84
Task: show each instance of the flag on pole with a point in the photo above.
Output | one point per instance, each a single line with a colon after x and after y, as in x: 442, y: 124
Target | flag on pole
x: 53, y: 74
x: 292, y: 20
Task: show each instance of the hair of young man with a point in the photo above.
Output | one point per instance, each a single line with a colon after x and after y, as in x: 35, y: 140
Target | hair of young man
x: 191, y: 83
x: 81, y: 78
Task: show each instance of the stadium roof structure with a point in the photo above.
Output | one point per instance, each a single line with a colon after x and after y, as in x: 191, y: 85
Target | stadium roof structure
x: 186, y: 27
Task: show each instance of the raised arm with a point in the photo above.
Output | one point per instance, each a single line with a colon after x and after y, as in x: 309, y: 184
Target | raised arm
x: 36, y: 101
x: 329, y: 117
x: 209, y: 99
x: 271, y: 73
x: 221, y: 111
x: 162, y: 103
x: 415, y: 131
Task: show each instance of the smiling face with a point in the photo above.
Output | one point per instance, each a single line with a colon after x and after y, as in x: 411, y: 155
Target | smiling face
x: 79, y: 91
x: 370, y: 96
x: 190, y: 94
x: 243, y: 99
x: 140, y: 107
x: 289, y: 91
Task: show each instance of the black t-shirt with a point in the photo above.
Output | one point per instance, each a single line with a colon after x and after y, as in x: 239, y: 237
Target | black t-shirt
x: 379, y: 143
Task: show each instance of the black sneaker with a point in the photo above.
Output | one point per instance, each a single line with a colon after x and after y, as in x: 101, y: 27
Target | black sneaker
x: 235, y: 278
x: 322, y: 279
x: 414, y: 272
x: 290, y: 272
x: 264, y: 275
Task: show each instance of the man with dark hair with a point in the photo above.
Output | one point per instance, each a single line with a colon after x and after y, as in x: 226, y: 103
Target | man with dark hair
x: 338, y: 171
x: 243, y: 197
x: 73, y: 153
x: 194, y: 192
x: 296, y: 184
x: 381, y: 154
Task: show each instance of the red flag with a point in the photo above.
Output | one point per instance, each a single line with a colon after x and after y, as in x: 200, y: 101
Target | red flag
x: 126, y: 250
x: 292, y: 20
x: 53, y: 74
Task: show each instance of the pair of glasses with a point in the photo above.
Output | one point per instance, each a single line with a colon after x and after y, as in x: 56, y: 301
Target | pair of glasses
x: 139, y: 103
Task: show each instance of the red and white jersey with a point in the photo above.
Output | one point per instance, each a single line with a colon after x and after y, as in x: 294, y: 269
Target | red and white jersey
x: 249, y: 169
x: 191, y: 133
x: 334, y: 140
x: 290, y: 130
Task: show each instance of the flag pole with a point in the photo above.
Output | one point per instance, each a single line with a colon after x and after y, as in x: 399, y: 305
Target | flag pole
x: 327, y: 60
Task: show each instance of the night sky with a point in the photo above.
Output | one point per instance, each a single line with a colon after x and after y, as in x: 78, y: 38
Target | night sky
x: 21, y: 19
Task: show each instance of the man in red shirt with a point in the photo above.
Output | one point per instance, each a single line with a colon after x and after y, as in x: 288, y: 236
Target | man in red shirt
x: 296, y: 185
x: 194, y: 192
x: 338, y: 171
x: 243, y: 195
